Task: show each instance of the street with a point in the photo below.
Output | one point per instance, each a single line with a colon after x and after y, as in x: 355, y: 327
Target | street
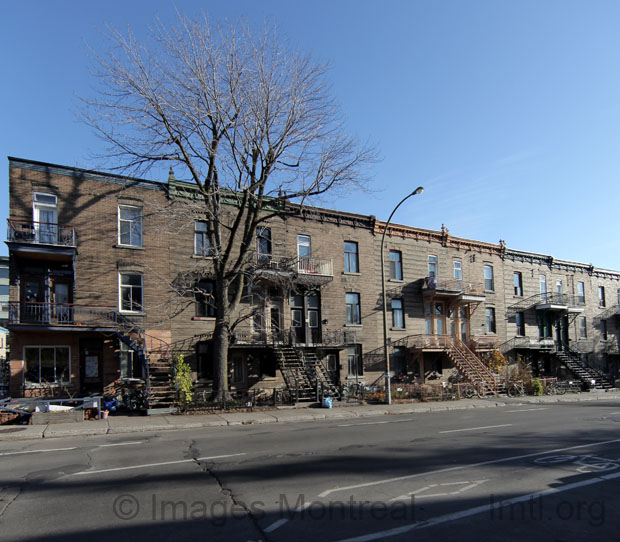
x: 525, y: 472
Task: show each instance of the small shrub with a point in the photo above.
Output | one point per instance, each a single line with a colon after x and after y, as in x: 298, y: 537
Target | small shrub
x: 183, y: 379
x: 537, y: 387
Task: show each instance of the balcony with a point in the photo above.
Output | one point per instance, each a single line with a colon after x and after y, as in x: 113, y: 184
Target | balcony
x: 311, y: 270
x: 462, y: 290
x: 561, y: 302
x: 62, y: 314
x: 40, y: 233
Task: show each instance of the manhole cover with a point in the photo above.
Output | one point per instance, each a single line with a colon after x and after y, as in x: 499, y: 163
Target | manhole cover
x: 12, y: 429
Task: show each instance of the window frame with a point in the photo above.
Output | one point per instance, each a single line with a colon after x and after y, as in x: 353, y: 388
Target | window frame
x: 490, y: 320
x: 489, y: 282
x: 601, y: 297
x: 351, y: 258
x: 520, y: 324
x: 353, y: 309
x: 581, y: 291
x: 355, y: 361
x: 517, y: 281
x: 398, y: 313
x: 264, y: 243
x: 582, y: 327
x: 131, y: 286
x: 396, y: 265
x: 433, y: 263
x: 131, y: 223
x: 457, y: 269
x: 204, y: 303
x: 55, y: 347
x: 207, y: 249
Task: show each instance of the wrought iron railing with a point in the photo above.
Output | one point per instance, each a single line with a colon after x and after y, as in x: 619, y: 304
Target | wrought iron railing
x: 249, y: 334
x: 44, y: 233
x: 453, y: 285
x: 61, y: 314
x: 548, y: 298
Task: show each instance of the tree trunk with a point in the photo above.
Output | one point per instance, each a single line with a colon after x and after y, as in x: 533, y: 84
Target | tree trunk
x: 220, y: 345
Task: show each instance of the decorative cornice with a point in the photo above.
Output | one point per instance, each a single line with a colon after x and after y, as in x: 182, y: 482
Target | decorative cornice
x: 442, y: 237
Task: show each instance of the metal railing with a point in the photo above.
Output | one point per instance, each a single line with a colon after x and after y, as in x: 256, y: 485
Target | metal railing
x: 483, y: 342
x: 527, y: 343
x: 453, y: 285
x: 61, y: 314
x: 315, y: 266
x: 44, y: 233
x: 249, y: 334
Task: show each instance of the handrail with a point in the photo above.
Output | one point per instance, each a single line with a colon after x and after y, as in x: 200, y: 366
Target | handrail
x: 453, y: 285
x: 27, y: 312
x: 45, y: 233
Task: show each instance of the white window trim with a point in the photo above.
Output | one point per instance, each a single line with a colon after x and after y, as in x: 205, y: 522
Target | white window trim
x: 120, y: 298
x: 118, y: 226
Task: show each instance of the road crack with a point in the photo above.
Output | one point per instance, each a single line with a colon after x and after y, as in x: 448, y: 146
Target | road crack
x: 236, y: 503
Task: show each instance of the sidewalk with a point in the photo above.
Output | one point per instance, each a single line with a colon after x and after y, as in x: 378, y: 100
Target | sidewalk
x: 138, y: 424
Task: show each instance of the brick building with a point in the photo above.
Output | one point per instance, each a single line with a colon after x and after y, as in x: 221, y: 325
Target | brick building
x: 94, y: 258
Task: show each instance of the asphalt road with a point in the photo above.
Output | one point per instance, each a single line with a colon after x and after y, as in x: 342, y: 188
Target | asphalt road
x: 519, y: 472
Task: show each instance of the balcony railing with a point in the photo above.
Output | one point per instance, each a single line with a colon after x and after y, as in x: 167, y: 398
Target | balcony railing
x: 453, y: 285
x: 249, y: 334
x: 483, y: 342
x: 42, y: 233
x: 61, y: 314
x: 315, y: 266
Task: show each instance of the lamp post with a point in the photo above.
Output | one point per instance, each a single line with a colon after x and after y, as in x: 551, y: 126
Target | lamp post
x: 388, y: 391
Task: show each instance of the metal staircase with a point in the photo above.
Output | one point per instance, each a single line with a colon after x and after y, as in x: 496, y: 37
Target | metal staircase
x: 293, y: 370
x: 318, y: 374
x: 583, y: 371
x: 470, y: 366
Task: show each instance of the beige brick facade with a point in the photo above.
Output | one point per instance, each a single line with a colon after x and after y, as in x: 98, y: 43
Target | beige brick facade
x: 456, y: 301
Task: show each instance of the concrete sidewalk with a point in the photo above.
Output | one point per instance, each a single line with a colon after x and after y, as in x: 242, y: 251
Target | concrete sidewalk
x: 138, y: 424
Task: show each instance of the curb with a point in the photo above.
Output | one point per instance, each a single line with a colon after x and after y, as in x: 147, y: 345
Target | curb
x: 124, y: 425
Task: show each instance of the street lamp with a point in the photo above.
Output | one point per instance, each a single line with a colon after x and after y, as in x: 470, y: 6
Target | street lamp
x: 388, y: 391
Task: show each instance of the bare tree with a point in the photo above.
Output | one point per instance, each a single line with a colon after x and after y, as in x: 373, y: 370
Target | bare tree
x: 252, y: 124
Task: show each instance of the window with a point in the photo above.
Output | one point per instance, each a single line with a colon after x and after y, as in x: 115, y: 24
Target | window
x: 130, y: 292
x: 489, y: 284
x: 45, y: 216
x: 202, y: 243
x: 432, y: 265
x: 558, y: 286
x: 581, y: 292
x: 263, y: 243
x: 130, y: 226
x: 351, y: 261
x: 47, y: 364
x: 354, y: 358
x: 583, y: 331
x: 353, y: 308
x: 490, y: 319
x: 396, y: 265
x: 601, y: 296
x: 4, y: 289
x: 304, y: 247
x: 398, y: 316
x: 520, y: 321
x: 604, y: 330
x: 205, y: 306
x: 518, y: 283
x: 542, y: 280
x: 129, y: 362
x: 458, y: 270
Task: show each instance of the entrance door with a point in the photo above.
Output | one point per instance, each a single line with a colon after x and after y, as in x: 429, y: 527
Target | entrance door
x: 306, y: 318
x: 33, y: 308
x: 61, y: 302
x: 91, y: 361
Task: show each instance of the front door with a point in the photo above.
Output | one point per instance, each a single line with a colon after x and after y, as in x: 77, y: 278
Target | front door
x: 91, y: 362
x: 61, y: 308
x: 45, y: 216
x: 33, y: 307
x: 306, y: 318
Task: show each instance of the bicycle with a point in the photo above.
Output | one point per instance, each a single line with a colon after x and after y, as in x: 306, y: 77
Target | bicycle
x: 515, y: 389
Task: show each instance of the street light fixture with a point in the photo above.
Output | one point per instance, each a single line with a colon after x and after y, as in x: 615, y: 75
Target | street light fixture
x: 388, y: 391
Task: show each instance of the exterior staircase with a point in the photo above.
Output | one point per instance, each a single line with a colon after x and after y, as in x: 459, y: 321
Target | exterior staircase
x: 584, y: 372
x: 160, y: 387
x: 318, y: 374
x: 472, y: 369
x: 293, y: 368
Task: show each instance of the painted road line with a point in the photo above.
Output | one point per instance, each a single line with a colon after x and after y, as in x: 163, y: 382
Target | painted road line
x: 527, y: 409
x: 147, y: 465
x: 277, y: 524
x: 462, y: 467
x: 120, y: 444
x: 421, y: 493
x: 374, y: 423
x: 447, y: 518
x: 40, y: 451
x: 476, y: 428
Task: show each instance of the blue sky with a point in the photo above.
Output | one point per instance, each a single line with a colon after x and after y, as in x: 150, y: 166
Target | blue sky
x: 508, y: 113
